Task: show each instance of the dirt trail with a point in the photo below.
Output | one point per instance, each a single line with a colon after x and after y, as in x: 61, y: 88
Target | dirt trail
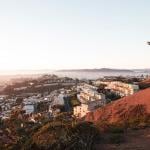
x: 134, y: 140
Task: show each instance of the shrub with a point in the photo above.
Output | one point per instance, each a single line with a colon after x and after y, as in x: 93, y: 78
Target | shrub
x: 83, y: 137
x: 116, y: 129
x: 116, y: 138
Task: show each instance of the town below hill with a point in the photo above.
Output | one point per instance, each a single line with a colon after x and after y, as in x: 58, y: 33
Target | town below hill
x: 52, y: 112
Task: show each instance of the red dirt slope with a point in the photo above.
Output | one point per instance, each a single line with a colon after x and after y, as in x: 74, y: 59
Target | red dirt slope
x: 124, y: 109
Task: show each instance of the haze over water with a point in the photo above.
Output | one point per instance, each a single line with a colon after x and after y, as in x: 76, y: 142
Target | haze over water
x: 96, y: 75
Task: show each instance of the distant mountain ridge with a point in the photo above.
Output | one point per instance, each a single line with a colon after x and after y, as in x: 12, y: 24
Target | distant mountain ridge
x: 96, y: 70
x: 142, y: 70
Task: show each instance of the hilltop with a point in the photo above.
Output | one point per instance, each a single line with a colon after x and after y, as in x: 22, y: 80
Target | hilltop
x: 134, y: 108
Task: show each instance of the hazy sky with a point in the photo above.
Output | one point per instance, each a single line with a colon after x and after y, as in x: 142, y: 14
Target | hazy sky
x: 63, y: 34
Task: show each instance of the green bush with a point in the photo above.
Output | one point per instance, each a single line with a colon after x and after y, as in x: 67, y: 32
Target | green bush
x: 82, y: 136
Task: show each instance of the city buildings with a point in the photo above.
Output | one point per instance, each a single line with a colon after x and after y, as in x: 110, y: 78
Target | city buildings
x: 45, y: 95
x: 90, y: 99
x: 122, y: 89
x: 118, y: 87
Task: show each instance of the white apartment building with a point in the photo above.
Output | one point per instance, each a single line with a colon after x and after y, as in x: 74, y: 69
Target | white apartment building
x: 123, y: 89
x: 84, y: 108
x: 29, y: 108
x: 90, y: 99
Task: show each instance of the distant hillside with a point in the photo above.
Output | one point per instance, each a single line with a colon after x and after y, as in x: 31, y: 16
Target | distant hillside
x: 142, y: 70
x: 131, y: 109
x: 96, y: 70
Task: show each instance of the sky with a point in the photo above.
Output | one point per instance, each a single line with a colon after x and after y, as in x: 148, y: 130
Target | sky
x: 71, y: 34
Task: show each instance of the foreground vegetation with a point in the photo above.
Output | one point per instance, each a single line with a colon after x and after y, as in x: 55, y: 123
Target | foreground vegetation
x: 60, y: 133
x: 65, y: 132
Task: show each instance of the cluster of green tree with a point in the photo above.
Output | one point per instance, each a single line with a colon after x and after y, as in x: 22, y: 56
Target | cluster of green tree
x: 32, y: 88
x: 17, y: 129
x: 9, y: 90
x: 70, y: 102
x: 128, y: 80
x: 42, y: 106
x: 63, y: 132
x: 112, y: 96
x: 58, y: 136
